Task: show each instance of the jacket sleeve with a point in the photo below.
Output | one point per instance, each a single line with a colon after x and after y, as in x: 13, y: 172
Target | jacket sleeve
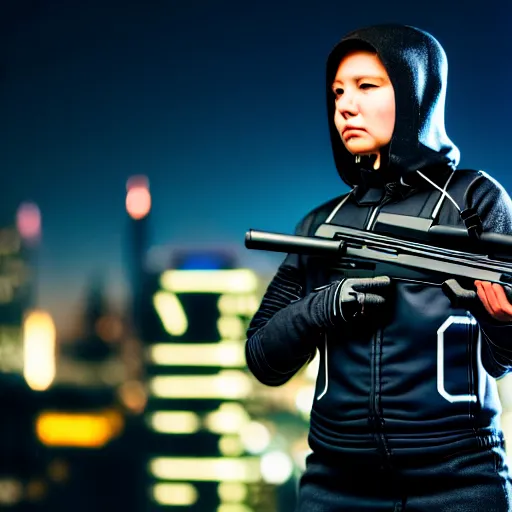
x: 284, y: 332
x: 494, y: 206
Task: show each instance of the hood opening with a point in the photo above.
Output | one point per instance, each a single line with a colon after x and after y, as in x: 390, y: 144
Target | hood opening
x: 417, y: 67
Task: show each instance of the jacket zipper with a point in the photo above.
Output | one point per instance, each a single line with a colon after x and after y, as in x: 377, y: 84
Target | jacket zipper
x: 376, y: 421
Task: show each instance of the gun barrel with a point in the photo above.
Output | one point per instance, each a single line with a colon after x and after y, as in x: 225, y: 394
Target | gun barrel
x: 296, y: 244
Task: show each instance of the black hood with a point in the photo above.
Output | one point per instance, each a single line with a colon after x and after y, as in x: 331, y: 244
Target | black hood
x: 417, y: 67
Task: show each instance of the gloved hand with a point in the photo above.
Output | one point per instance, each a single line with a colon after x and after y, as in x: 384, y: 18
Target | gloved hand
x: 362, y: 298
x: 469, y: 300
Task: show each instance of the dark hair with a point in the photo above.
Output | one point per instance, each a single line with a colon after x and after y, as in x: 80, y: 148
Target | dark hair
x: 345, y: 48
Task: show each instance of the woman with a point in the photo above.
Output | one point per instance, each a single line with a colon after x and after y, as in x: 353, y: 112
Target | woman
x: 389, y: 430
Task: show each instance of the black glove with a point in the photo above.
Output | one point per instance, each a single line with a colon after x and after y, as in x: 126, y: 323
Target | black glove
x: 364, y: 298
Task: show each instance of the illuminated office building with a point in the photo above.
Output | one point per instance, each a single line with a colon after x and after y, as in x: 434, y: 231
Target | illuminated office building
x: 57, y: 441
x: 206, y: 451
x: 19, y: 234
x: 18, y: 245
x: 212, y: 444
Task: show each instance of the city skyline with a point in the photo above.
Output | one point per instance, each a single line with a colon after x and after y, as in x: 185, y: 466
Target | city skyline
x: 220, y: 105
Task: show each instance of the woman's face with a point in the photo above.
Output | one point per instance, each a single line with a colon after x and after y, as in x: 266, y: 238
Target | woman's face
x: 365, y: 103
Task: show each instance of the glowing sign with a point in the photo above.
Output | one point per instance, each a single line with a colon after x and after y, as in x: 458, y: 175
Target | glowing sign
x: 177, y: 494
x: 216, y: 469
x: 209, y: 281
x: 227, y: 384
x: 227, y: 354
x: 171, y: 313
x: 175, y: 422
x: 39, y: 350
x: 81, y: 430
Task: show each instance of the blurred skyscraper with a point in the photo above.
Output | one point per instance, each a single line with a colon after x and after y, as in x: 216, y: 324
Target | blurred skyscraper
x: 20, y: 458
x: 213, y: 440
x: 18, y: 249
x: 138, y: 207
x: 65, y: 427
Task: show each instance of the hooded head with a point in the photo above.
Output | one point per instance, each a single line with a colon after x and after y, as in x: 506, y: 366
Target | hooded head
x: 416, y: 66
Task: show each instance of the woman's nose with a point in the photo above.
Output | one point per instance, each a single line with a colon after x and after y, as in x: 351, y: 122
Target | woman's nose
x: 346, y: 105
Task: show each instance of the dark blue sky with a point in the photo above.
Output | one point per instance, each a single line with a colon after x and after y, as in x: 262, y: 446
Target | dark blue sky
x: 219, y: 103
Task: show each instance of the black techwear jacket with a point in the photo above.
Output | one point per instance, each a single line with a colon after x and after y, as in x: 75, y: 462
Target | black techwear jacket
x: 425, y: 381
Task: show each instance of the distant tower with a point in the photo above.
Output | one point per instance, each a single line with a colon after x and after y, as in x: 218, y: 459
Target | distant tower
x: 28, y: 225
x: 138, y: 206
x: 28, y: 222
x: 96, y: 308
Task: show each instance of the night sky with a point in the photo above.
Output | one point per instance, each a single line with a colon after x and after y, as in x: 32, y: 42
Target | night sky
x: 220, y: 103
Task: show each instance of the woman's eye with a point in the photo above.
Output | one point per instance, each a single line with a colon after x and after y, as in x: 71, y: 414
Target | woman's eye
x: 338, y: 91
x: 367, y: 86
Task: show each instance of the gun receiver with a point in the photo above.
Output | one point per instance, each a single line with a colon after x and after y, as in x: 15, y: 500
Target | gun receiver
x: 400, y: 258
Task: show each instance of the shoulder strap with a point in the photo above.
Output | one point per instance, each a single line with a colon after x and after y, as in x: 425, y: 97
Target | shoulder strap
x: 456, y: 191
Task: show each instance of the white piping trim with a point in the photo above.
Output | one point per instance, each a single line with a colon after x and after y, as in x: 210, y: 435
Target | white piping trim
x: 336, y: 300
x: 440, y: 189
x: 441, y: 199
x: 326, y: 372
x: 372, y: 218
x: 335, y: 211
x: 440, y: 359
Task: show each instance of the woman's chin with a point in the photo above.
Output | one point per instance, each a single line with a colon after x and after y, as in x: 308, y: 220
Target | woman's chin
x: 360, y: 147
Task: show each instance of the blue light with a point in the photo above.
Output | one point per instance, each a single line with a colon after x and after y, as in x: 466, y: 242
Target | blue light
x: 203, y: 261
